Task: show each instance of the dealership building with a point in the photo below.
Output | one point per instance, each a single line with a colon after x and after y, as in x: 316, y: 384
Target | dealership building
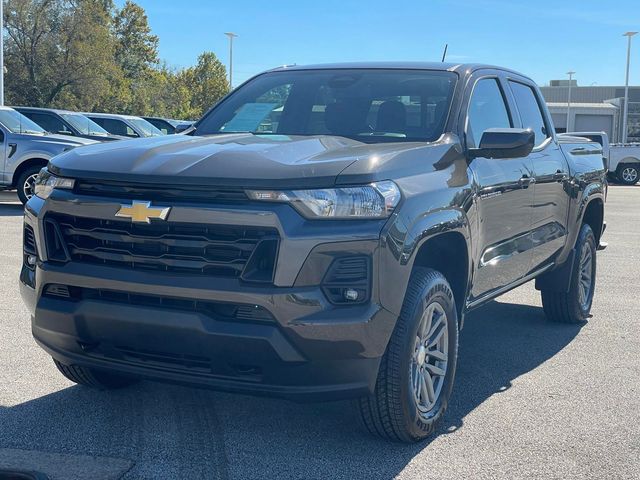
x: 593, y: 108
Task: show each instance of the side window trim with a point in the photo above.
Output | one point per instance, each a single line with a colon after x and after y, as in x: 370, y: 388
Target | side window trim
x: 507, y: 101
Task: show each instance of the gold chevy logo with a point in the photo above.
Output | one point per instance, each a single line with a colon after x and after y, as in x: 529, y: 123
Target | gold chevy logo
x: 142, y: 212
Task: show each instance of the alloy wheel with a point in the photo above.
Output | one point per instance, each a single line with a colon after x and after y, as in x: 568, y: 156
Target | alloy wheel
x: 430, y: 358
x: 29, y: 186
x: 629, y: 174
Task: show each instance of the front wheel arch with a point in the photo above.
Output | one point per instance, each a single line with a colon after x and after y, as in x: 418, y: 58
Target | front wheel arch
x: 32, y: 162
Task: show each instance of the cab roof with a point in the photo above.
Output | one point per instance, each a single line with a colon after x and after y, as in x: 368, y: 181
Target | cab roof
x: 460, y: 68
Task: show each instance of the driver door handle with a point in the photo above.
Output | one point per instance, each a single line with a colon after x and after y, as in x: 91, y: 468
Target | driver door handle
x: 526, y: 180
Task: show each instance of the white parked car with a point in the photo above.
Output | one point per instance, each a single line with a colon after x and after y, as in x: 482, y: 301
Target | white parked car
x: 625, y: 163
x: 622, y: 160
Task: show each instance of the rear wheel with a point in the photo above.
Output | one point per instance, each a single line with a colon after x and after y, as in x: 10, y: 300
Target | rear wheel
x: 26, y: 183
x: 93, y: 378
x: 574, y: 306
x: 628, y: 174
x: 416, y: 374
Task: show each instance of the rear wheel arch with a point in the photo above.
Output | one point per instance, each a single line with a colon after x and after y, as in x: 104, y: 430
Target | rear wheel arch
x: 594, y: 216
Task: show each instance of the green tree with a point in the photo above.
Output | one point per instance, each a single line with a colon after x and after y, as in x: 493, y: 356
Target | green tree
x: 57, y: 50
x: 89, y: 55
x: 207, y: 82
x: 136, y: 47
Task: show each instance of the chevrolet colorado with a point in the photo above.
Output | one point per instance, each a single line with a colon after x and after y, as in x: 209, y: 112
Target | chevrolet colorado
x: 320, y: 233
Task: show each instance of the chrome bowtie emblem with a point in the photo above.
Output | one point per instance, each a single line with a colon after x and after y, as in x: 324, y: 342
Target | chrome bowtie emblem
x: 142, y: 212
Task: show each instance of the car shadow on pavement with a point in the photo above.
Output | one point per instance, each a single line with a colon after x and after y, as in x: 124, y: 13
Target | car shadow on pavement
x: 176, y: 432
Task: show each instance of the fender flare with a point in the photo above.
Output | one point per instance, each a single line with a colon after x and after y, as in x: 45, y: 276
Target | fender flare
x: 399, y: 251
x: 559, y: 279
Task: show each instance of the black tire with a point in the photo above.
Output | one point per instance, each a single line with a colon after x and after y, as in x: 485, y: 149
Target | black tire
x: 23, y: 195
x: 93, y: 378
x: 567, y: 307
x: 628, y: 174
x: 392, y: 411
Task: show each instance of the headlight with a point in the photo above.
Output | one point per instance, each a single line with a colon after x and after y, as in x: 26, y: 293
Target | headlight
x: 46, y: 182
x: 376, y: 200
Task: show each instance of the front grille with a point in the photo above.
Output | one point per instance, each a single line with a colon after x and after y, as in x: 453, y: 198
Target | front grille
x: 222, y: 311
x: 149, y: 192
x: 185, y: 248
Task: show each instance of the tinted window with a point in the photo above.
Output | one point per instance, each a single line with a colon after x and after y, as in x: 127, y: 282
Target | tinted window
x: 84, y: 124
x: 116, y: 127
x: 145, y: 127
x: 486, y: 110
x: 367, y: 105
x: 164, y: 127
x: 49, y: 122
x: 18, y: 123
x: 529, y: 110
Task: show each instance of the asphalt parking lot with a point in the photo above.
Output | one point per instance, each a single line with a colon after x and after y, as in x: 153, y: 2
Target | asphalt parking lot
x: 531, y: 400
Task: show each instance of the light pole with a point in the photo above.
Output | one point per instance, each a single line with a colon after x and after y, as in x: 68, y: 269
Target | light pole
x: 626, y: 87
x: 570, y: 73
x: 231, y: 36
x: 1, y: 54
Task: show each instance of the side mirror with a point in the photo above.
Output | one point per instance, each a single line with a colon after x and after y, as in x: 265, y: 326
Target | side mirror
x: 504, y: 143
x: 65, y: 132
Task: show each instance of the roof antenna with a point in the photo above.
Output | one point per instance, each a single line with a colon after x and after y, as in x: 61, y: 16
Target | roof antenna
x: 444, y: 54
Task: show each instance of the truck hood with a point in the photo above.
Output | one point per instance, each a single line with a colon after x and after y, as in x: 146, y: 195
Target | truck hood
x: 55, y: 139
x: 244, y: 160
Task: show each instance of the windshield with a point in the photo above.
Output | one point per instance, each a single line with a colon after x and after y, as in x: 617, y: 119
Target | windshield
x: 83, y: 124
x: 18, y: 123
x: 145, y: 127
x: 367, y: 105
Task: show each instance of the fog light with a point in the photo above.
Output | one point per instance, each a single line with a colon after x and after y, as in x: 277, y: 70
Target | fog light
x: 351, y: 295
x: 31, y: 260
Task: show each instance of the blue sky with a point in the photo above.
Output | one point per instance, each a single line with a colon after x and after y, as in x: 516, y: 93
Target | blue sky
x: 541, y: 38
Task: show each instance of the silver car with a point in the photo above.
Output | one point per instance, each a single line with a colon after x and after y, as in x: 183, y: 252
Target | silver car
x: 25, y: 148
x: 124, y: 125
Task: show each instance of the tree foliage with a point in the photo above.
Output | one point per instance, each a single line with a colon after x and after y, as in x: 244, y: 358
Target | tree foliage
x: 89, y: 55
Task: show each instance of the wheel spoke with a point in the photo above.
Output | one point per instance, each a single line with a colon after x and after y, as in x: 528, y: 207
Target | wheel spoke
x: 435, y: 370
x: 427, y: 319
x: 437, y: 354
x: 427, y: 388
x: 433, y: 339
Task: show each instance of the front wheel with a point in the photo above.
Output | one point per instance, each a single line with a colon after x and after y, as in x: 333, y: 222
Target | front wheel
x: 416, y: 374
x: 26, y: 183
x: 628, y: 174
x: 574, y: 306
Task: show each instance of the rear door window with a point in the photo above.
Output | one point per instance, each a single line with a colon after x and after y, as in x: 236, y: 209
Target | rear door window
x: 49, y: 122
x: 529, y: 110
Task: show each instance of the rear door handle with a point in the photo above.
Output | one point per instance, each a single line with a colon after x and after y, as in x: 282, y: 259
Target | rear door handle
x: 560, y: 176
x: 12, y: 149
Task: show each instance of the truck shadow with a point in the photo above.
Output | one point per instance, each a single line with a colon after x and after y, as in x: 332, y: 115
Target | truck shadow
x: 188, y: 433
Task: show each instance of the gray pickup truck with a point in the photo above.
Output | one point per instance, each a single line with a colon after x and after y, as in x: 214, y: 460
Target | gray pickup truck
x: 25, y: 148
x: 320, y: 233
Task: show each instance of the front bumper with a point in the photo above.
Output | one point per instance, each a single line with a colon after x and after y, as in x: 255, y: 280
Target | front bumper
x: 309, y: 348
